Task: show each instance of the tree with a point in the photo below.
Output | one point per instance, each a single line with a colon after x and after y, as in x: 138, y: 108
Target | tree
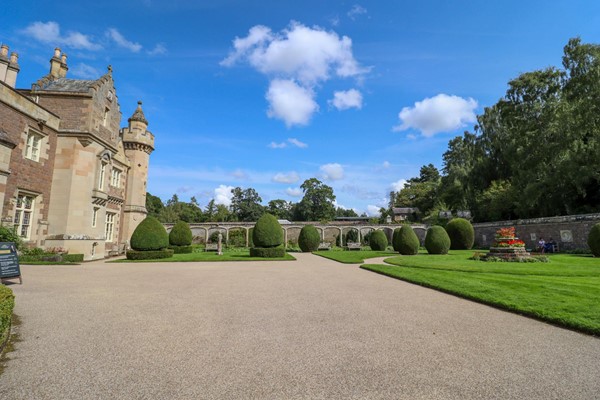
x: 154, y: 205
x: 343, y: 212
x: 421, y: 191
x: 281, y: 209
x: 245, y: 204
x: 317, y: 203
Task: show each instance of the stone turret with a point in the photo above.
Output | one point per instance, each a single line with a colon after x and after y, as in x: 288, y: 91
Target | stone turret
x: 138, y: 143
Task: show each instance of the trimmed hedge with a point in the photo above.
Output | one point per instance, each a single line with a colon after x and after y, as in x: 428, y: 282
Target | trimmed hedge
x: 150, y: 234
x: 462, y: 234
x: 378, y: 240
x: 267, y: 252
x: 408, y: 242
x: 309, y: 239
x: 49, y: 257
x: 73, y: 258
x: 180, y: 235
x: 149, y: 254
x: 182, y: 249
x: 437, y: 240
x: 267, y: 232
x: 396, y: 239
x: 7, y: 303
x: 594, y: 240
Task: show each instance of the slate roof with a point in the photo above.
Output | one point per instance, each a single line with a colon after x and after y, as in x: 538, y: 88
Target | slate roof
x: 68, y: 85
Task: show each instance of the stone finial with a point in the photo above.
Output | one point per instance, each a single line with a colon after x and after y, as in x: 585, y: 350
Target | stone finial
x: 14, y: 58
x: 63, y: 58
x: 4, y: 51
x: 138, y: 114
x: 109, y: 68
x: 57, y: 52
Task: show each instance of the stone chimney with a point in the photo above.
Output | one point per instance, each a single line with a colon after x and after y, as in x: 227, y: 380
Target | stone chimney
x: 55, y: 64
x: 4, y: 61
x: 63, y: 66
x: 13, y: 70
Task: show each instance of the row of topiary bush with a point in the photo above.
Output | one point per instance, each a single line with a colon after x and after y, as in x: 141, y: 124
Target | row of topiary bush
x: 7, y: 303
x: 458, y: 235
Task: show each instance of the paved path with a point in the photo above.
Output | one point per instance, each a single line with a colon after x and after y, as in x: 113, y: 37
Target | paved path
x: 310, y: 329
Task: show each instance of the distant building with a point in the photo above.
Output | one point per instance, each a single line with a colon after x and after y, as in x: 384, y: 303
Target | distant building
x: 69, y: 176
x: 405, y: 213
x: 354, y: 219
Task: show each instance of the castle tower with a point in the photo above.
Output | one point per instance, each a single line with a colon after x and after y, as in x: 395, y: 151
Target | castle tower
x: 138, y: 143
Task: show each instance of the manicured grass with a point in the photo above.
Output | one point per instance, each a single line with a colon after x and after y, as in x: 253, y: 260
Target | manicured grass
x: 565, y: 291
x: 233, y: 255
x: 353, y: 256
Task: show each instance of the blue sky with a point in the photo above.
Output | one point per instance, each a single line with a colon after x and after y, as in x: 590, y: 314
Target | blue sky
x: 266, y: 94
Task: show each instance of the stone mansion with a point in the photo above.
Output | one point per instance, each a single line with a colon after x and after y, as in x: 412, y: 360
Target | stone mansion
x: 70, y: 176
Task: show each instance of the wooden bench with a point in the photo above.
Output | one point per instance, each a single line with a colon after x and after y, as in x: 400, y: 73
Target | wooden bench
x: 324, y: 246
x: 353, y: 246
x: 211, y: 247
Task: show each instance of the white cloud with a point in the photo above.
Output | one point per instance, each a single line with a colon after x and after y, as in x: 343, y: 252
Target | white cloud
x: 373, y: 211
x: 120, y: 40
x: 49, y: 32
x: 441, y: 113
x: 332, y: 171
x: 305, y: 54
x: 296, y: 60
x: 386, y: 165
x: 223, y: 195
x: 240, y: 174
x: 355, y: 11
x: 294, y: 192
x: 344, y: 100
x: 274, y: 145
x: 398, y: 185
x: 85, y: 71
x: 158, y: 50
x: 290, y: 102
x: 297, y: 143
x: 291, y: 177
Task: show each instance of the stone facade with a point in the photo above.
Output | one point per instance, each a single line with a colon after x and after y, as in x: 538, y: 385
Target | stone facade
x: 69, y: 176
x: 570, y: 232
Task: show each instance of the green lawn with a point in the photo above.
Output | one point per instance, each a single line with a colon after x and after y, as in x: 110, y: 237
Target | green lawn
x: 565, y: 291
x: 228, y: 255
x: 353, y: 256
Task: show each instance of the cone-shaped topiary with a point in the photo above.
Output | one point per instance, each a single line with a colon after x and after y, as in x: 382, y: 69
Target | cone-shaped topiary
x: 267, y: 232
x: 462, y: 234
x: 594, y: 240
x: 150, y: 234
x: 408, y: 242
x: 378, y: 240
x: 437, y: 240
x: 309, y: 238
x: 181, y: 234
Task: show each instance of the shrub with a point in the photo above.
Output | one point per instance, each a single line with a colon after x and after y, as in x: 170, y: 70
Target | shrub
x: 149, y: 254
x: 408, y: 242
x: 7, y: 303
x: 267, y: 232
x: 396, y: 239
x: 180, y: 235
x: 309, y: 238
x: 237, y: 238
x: 462, y: 234
x: 594, y: 240
x: 149, y: 235
x: 8, y: 234
x: 181, y: 249
x: 73, y: 258
x: 267, y: 252
x: 378, y: 240
x: 437, y: 240
x: 33, y: 251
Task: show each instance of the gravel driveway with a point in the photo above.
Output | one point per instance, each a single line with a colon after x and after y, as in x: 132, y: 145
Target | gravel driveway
x: 306, y: 329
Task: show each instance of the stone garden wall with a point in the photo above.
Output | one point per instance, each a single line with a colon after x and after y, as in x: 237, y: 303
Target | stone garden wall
x: 570, y: 231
